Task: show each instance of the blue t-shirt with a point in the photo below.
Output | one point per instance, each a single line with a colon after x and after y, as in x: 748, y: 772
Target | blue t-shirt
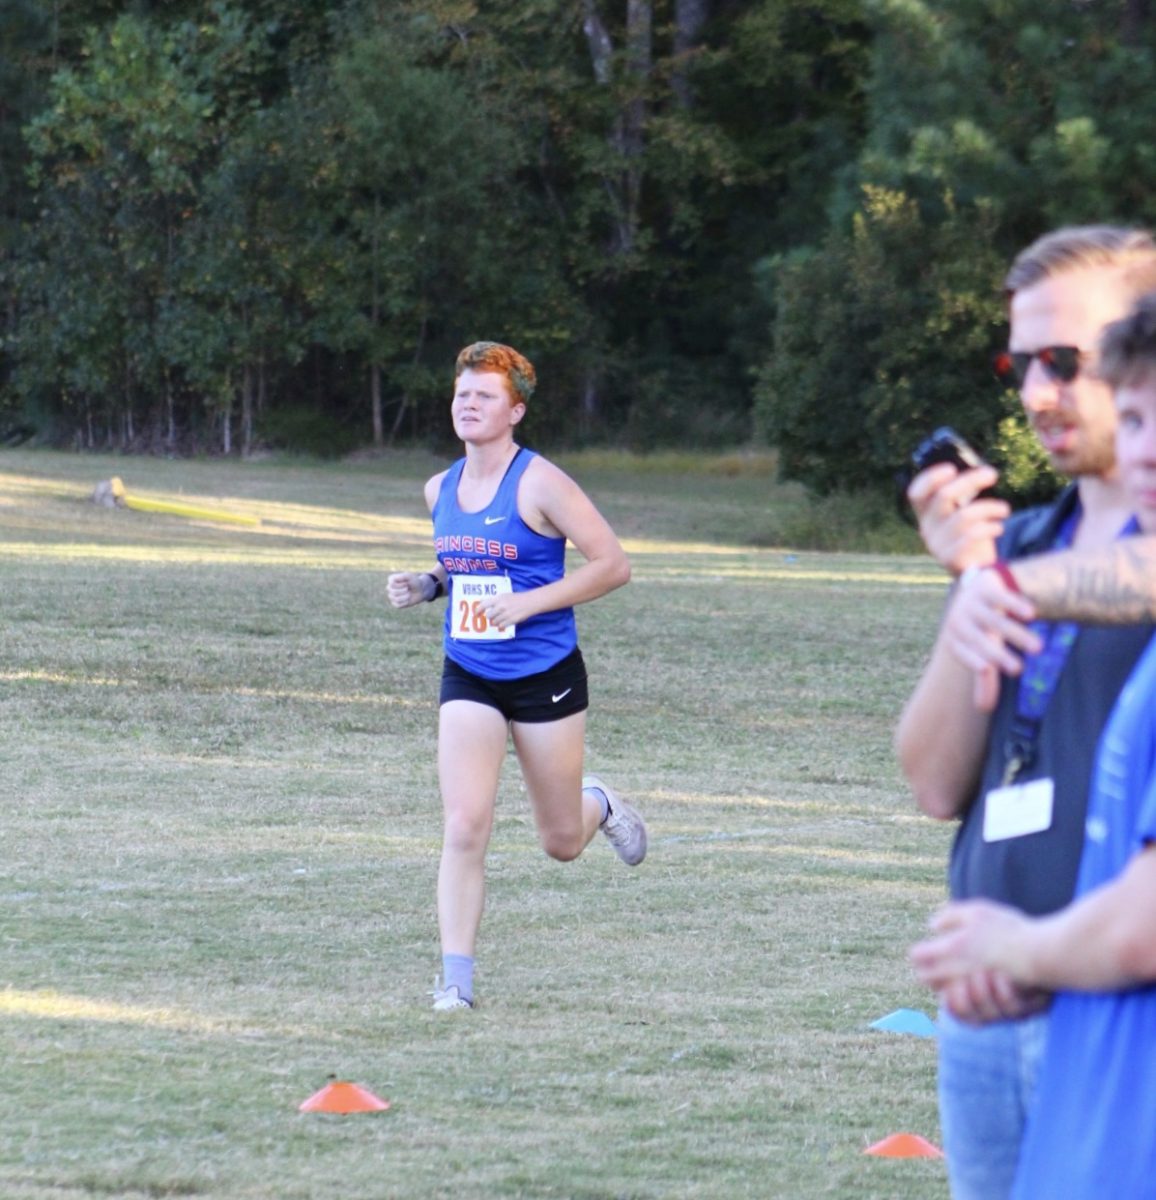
x: 1092, y: 1134
x: 496, y: 541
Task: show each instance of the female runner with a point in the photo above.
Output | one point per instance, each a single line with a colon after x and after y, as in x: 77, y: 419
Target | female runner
x: 502, y: 516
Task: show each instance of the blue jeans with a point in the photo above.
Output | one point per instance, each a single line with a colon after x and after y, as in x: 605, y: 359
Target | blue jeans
x: 987, y: 1082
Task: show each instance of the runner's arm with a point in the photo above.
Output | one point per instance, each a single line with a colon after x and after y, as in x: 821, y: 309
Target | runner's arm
x: 407, y: 588
x: 551, y: 502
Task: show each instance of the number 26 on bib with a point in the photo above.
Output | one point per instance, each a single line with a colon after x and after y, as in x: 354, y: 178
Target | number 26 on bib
x: 468, y: 622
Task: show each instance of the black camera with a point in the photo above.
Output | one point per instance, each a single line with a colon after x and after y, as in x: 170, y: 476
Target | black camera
x: 942, y: 446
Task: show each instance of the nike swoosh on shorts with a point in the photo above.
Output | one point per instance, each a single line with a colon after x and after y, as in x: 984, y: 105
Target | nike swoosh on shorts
x: 561, y: 695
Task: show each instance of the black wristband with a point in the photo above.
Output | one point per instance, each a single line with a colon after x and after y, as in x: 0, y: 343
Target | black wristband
x: 438, y: 588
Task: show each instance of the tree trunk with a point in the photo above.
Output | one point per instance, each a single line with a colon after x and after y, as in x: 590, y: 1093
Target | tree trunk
x: 127, y: 434
x: 170, y: 438
x: 1133, y: 21
x: 401, y: 411
x: 227, y: 419
x: 247, y: 411
x: 589, y: 401
x: 375, y: 404
x: 375, y: 320
x: 628, y: 136
x: 601, y: 47
x: 690, y: 16
x: 639, y: 34
x: 423, y: 328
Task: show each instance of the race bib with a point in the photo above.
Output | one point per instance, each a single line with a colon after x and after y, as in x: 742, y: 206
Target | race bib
x: 469, y: 621
x: 1023, y: 808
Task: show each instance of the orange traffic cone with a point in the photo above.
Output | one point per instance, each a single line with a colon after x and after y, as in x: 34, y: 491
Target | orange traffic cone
x: 341, y: 1097
x: 904, y: 1145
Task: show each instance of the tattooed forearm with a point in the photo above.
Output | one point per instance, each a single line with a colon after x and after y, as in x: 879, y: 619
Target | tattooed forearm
x: 1115, y: 586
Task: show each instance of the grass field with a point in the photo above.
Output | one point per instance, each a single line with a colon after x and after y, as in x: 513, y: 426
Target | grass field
x: 220, y: 832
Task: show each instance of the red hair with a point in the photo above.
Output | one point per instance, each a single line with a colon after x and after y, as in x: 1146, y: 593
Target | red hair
x: 501, y: 360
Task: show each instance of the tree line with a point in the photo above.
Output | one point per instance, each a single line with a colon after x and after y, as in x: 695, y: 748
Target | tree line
x: 250, y: 223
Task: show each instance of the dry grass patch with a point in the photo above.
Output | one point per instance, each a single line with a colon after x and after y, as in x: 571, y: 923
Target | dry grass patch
x: 221, y: 832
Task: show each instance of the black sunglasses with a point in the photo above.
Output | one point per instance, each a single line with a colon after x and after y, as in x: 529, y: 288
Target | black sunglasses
x: 1062, y: 364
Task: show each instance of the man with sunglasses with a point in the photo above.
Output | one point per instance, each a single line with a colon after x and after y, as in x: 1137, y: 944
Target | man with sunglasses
x: 1098, y: 955
x: 1015, y: 772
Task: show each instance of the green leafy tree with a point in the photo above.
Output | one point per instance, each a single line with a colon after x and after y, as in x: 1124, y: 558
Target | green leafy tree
x: 647, y: 125
x: 121, y: 160
x: 881, y: 335
x: 988, y: 123
x: 241, y: 320
x: 25, y: 51
x: 421, y: 239
x: 1034, y: 110
x: 291, y: 205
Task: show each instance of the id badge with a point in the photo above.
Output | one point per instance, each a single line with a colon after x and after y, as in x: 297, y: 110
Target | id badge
x: 1015, y: 811
x: 469, y: 621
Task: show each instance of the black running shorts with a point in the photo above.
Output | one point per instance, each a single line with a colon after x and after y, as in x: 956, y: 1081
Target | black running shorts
x: 557, y: 692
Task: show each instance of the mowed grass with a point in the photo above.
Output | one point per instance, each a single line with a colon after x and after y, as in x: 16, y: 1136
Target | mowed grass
x: 220, y: 830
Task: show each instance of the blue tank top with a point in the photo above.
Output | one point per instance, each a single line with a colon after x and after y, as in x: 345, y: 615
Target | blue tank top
x: 496, y: 541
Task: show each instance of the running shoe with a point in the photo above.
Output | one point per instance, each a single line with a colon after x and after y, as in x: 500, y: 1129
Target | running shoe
x: 624, y: 826
x: 448, y: 999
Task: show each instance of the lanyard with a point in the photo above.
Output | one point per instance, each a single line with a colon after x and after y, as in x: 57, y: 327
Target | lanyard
x: 1041, y: 673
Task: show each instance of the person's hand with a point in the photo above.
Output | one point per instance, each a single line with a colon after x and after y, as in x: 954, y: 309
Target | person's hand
x: 509, y: 608
x: 958, y: 530
x: 986, y: 628
x: 986, y: 996
x: 405, y: 588
x: 969, y: 937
